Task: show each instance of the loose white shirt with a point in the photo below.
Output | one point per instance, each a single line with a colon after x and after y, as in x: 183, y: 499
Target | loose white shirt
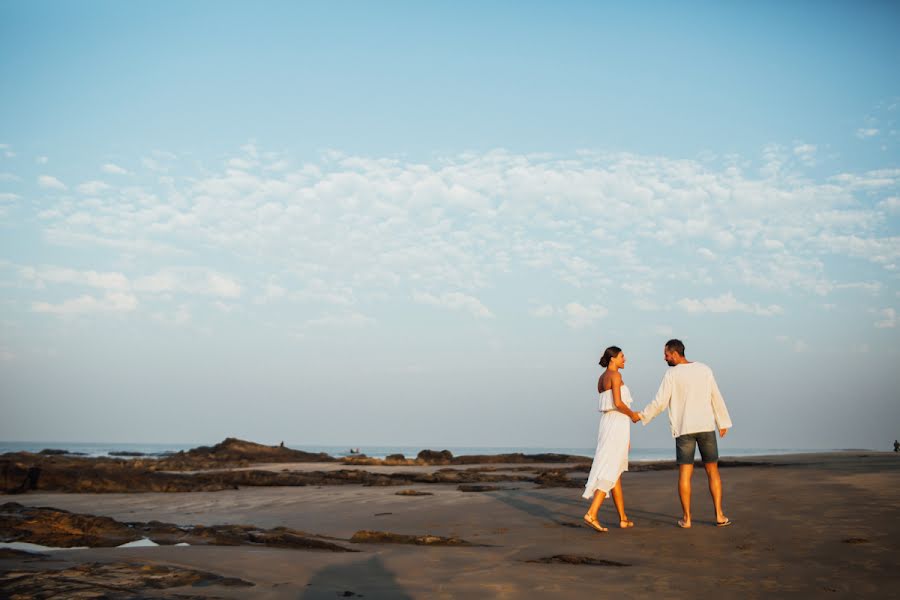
x: 695, y: 404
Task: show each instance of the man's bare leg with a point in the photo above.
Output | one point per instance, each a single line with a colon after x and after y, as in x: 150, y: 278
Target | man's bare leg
x: 591, y: 516
x: 684, y: 493
x: 619, y: 501
x: 715, y: 490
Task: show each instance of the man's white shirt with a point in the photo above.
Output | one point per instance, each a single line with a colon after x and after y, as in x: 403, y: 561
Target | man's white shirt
x: 695, y: 404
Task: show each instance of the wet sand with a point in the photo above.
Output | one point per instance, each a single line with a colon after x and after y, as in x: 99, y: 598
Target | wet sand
x: 808, y: 525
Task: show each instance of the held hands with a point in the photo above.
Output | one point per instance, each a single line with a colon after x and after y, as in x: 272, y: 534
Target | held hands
x: 635, y: 417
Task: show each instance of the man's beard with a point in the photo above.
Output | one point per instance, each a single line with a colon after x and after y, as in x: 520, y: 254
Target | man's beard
x: 671, y: 363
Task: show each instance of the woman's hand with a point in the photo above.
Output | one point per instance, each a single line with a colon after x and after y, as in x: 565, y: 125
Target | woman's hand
x: 635, y: 417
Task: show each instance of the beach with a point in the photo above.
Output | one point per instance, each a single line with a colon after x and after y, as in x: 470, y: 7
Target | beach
x: 808, y: 524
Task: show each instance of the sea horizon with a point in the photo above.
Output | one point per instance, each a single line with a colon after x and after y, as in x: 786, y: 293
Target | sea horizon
x: 153, y: 449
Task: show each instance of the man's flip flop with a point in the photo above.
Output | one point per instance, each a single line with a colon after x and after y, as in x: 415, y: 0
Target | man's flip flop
x: 724, y: 523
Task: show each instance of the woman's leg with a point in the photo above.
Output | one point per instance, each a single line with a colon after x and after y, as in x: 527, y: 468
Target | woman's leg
x: 619, y: 501
x: 595, y: 504
x: 590, y: 516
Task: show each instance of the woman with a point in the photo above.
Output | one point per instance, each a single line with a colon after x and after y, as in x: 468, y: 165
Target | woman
x: 613, y: 440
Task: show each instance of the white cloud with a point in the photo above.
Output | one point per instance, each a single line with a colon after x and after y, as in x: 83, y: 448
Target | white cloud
x: 40, y: 276
x: 663, y: 330
x: 114, y: 169
x: 6, y: 355
x: 49, y: 182
x: 888, y: 319
x: 727, y: 303
x: 112, y: 302
x: 542, y: 311
x: 8, y: 197
x: 93, y: 187
x: 455, y: 301
x: 796, y: 345
x: 189, y: 280
x: 806, y: 153
x: 579, y: 316
x: 341, y: 320
x: 344, y: 228
x: 891, y: 205
x: 42, y: 160
x: 866, y: 132
x: 220, y: 285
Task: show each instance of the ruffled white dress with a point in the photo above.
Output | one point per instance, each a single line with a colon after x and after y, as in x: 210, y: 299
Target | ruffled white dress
x: 611, y: 457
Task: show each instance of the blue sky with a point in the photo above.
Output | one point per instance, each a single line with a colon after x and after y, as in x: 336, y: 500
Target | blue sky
x: 421, y: 223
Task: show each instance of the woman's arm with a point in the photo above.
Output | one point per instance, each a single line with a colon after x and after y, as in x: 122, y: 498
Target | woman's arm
x: 617, y: 398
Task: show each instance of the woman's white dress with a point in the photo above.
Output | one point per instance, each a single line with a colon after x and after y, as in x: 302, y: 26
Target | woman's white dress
x: 611, y: 457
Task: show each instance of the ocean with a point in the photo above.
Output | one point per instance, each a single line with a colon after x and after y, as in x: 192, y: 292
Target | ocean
x: 161, y: 449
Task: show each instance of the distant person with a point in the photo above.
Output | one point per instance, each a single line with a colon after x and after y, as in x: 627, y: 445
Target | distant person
x: 613, y: 441
x: 696, y: 410
x: 896, y: 446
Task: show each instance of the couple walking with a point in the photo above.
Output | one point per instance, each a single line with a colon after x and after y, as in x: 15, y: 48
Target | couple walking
x: 696, y: 409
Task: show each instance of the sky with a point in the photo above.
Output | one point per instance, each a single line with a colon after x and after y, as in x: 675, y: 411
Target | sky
x: 421, y: 223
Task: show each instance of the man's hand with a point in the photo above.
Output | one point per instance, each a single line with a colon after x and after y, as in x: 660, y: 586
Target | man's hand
x: 722, y: 432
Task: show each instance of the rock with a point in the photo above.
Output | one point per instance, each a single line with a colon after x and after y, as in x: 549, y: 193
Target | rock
x: 385, y: 537
x: 118, y: 581
x: 477, y: 488
x: 235, y: 452
x: 63, y: 529
x: 554, y: 478
x: 125, y: 453
x: 53, y: 452
x: 412, y: 493
x: 433, y: 457
x: 574, y: 559
x: 395, y: 457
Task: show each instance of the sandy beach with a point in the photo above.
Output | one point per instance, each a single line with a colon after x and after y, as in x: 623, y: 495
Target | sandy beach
x: 810, y: 525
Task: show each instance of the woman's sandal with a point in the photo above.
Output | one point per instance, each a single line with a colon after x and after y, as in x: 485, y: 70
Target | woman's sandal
x: 594, y: 524
x: 626, y: 524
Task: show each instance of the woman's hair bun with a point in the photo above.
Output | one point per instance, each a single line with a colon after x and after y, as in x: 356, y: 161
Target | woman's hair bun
x: 609, y: 354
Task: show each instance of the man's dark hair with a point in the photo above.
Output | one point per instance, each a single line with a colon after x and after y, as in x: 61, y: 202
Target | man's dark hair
x: 675, y: 346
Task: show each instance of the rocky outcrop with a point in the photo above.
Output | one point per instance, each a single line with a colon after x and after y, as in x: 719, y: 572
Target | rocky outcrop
x: 575, y: 559
x: 233, y: 452
x: 110, y: 581
x: 63, y: 529
x: 385, y: 537
x: 445, y: 457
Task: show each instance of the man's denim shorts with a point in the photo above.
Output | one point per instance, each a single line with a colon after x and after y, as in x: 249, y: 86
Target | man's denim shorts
x: 685, y: 444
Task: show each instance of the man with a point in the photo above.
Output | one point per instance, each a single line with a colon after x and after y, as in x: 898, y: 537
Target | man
x: 696, y: 410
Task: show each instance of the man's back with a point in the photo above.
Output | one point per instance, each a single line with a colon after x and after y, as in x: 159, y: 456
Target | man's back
x: 695, y: 404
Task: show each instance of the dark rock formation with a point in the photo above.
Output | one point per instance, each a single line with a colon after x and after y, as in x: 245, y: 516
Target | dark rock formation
x: 384, y: 537
x: 110, y: 581
x: 412, y: 493
x: 574, y: 559
x: 433, y: 457
x: 477, y: 488
x: 126, y: 453
x: 63, y: 529
x: 234, y: 452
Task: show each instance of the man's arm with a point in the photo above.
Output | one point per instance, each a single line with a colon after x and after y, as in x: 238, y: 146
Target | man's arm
x: 720, y: 412
x: 659, y: 403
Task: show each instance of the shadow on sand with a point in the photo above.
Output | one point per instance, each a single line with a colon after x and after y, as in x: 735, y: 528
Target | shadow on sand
x: 567, y: 512
x: 368, y: 578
